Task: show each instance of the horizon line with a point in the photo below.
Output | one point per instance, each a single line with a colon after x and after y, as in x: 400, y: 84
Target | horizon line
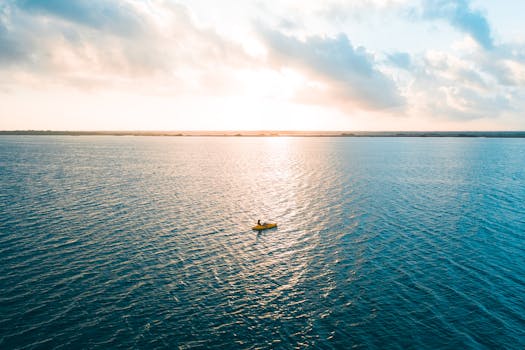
x: 271, y: 133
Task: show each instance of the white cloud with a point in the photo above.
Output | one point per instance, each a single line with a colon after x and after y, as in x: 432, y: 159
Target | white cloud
x: 342, y: 74
x: 454, y: 87
x: 372, y: 58
x: 159, y: 42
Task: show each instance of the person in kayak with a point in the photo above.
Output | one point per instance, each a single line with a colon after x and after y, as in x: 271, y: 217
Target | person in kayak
x: 259, y: 222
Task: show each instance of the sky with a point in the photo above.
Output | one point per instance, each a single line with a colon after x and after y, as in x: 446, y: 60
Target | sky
x: 262, y: 65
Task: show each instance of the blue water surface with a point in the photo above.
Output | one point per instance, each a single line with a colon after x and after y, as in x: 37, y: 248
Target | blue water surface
x: 146, y: 242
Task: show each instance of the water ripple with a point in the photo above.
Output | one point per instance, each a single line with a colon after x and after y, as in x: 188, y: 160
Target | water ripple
x: 117, y: 242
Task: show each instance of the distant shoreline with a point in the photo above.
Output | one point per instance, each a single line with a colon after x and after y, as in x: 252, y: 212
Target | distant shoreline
x: 267, y: 133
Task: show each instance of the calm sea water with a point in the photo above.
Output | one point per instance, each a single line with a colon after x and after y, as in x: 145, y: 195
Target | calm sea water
x: 146, y: 242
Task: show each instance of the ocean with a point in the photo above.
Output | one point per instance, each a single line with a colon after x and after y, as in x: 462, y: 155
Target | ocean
x: 146, y: 242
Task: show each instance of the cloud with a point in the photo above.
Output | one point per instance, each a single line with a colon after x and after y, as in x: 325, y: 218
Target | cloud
x: 400, y: 59
x: 358, y: 11
x: 10, y: 50
x: 110, y: 16
x: 505, y: 63
x: 93, y: 43
x: 457, y: 88
x: 341, y: 73
x: 483, y: 81
x: 158, y: 47
x: 462, y: 17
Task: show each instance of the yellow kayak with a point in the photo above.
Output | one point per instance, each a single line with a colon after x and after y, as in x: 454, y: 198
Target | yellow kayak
x: 264, y: 226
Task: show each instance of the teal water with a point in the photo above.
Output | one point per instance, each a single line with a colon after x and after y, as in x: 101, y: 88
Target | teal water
x: 145, y: 242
